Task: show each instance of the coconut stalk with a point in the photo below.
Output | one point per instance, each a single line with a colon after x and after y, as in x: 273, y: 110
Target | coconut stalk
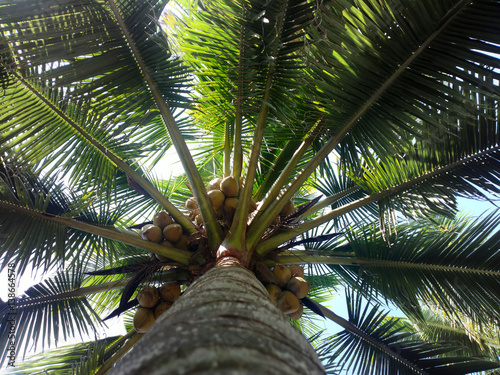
x: 214, y: 231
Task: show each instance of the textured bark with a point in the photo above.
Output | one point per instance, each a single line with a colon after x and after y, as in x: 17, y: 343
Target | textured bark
x: 223, y: 324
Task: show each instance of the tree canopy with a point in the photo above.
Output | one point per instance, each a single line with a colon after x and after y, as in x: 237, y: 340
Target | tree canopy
x: 370, y: 117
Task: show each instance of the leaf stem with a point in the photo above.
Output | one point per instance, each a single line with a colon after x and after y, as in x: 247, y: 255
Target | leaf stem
x: 311, y: 257
x: 236, y: 237
x: 126, y: 236
x: 227, y: 149
x: 277, y: 240
x: 348, y: 326
x: 214, y: 230
x: 120, y: 353
x: 328, y: 201
x: 114, y: 159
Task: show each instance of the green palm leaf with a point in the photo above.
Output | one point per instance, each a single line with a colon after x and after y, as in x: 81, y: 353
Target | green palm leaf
x: 66, y: 228
x: 102, y: 137
x: 479, y: 342
x: 453, y: 265
x: 65, y: 360
x: 47, y: 314
x: 366, y: 70
x: 390, y: 75
x: 373, y: 343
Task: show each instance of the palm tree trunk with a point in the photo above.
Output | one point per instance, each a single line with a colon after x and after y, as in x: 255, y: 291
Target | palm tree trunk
x: 223, y: 324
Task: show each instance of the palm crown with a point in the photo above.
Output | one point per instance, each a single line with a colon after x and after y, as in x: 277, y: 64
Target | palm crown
x: 359, y: 112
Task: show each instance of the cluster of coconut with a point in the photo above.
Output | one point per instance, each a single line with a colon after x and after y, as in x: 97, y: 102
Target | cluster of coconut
x: 223, y: 194
x: 153, y: 302
x: 165, y: 232
x: 290, y: 287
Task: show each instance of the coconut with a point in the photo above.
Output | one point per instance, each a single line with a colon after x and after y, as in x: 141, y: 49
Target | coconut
x: 172, y: 232
x: 169, y: 292
x: 288, y: 303
x: 296, y: 270
x: 216, y: 198
x: 230, y: 205
x: 198, y: 220
x: 151, y: 233
x: 288, y: 209
x: 297, y: 314
x: 274, y: 292
x: 161, y: 308
x: 264, y: 274
x: 298, y: 286
x: 229, y: 186
x: 191, y: 203
x: 282, y: 274
x: 162, y: 219
x: 183, y: 243
x: 143, y: 319
x: 214, y: 184
x: 148, y: 296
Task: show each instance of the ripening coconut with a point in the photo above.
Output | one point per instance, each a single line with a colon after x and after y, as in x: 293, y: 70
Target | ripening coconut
x: 274, y: 292
x: 166, y: 243
x: 151, y: 233
x: 182, y: 243
x: 169, y: 292
x: 161, y: 308
x: 216, y: 198
x: 288, y: 303
x: 214, y: 184
x: 162, y: 219
x: 198, y: 220
x: 172, y: 232
x: 282, y: 274
x: 143, y: 319
x: 296, y: 270
x: 191, y: 203
x: 229, y: 186
x: 148, y: 296
x: 298, y: 286
x: 297, y: 314
x: 230, y: 205
x: 288, y: 209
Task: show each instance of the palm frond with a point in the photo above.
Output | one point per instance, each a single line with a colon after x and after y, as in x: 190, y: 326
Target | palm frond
x: 65, y: 360
x: 391, y: 78
x: 374, y: 83
x: 52, y: 92
x: 477, y: 341
x: 235, y: 46
x: 339, y: 189
x: 42, y: 319
x: 373, y: 343
x: 451, y: 264
x: 67, y: 229
x: 43, y: 195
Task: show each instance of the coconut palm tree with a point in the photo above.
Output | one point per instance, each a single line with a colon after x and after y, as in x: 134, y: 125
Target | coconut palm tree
x: 335, y: 135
